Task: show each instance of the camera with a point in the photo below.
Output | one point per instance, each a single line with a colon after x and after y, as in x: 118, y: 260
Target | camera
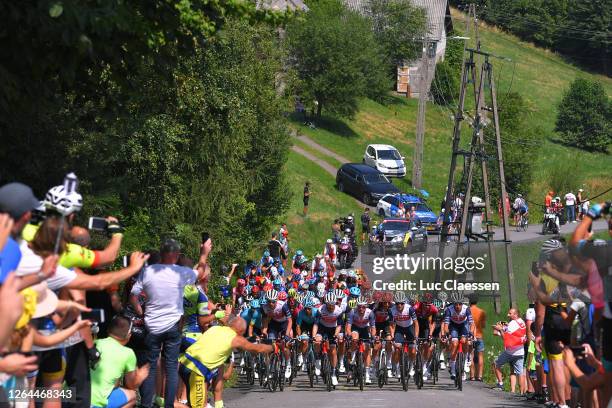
x: 97, y: 224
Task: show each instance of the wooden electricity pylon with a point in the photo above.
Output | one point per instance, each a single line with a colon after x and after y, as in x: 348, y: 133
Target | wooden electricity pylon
x: 477, y: 153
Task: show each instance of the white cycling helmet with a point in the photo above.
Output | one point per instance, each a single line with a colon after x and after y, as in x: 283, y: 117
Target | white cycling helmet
x: 330, y: 241
x: 320, y: 286
x: 57, y: 199
x: 274, y: 272
x: 330, y: 298
x: 271, y: 295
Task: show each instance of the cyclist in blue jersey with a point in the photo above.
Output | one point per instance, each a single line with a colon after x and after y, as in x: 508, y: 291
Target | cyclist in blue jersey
x: 459, y: 324
x: 305, y: 321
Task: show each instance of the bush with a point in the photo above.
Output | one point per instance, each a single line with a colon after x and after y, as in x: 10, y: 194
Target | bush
x: 584, y: 116
x: 445, y: 85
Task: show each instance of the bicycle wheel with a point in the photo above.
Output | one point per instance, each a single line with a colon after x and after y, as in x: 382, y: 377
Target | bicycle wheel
x: 282, y: 365
x: 382, y: 368
x: 310, y: 368
x: 262, y: 369
x: 294, y: 365
x: 459, y: 371
x: 435, y: 363
x: 273, y: 374
x: 404, y: 363
x: 248, y: 368
x: 359, y: 371
x: 326, y: 371
x: 418, y: 370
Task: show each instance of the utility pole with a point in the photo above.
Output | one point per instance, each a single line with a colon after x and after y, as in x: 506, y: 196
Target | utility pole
x: 417, y: 160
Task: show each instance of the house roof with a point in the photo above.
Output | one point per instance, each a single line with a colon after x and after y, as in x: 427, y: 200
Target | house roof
x: 282, y: 5
x: 435, y: 9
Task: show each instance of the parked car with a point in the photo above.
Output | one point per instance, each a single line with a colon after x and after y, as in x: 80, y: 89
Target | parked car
x: 398, y: 235
x: 388, y: 206
x: 364, y: 182
x: 386, y: 159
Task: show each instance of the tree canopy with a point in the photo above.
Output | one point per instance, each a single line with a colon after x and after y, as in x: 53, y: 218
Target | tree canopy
x: 336, y: 58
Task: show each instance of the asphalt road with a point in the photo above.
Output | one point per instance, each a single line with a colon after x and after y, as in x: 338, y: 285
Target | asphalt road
x: 443, y: 394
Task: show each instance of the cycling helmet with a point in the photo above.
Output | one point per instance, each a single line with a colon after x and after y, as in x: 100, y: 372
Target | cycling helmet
x: 299, y: 252
x: 255, y: 304
x: 519, y: 195
x: 438, y: 303
x: 320, y: 286
x: 347, y: 230
x: 349, y: 218
x: 271, y: 294
x: 427, y: 298
x: 274, y: 272
x: 300, y: 298
x: 225, y: 291
x: 252, y: 282
x: 399, y: 297
x: 276, y: 261
x: 362, y: 301
x: 255, y: 290
x: 277, y: 282
x: 321, y: 274
x: 413, y: 297
x: 321, y: 294
x: 456, y: 298
x: 339, y: 293
x: 292, y: 292
x: 549, y: 246
x: 267, y: 287
x: 266, y: 253
x: 330, y: 298
x: 282, y: 296
x: 355, y: 291
x: 315, y: 302
x: 240, y: 282
x: 59, y: 200
x: 352, y: 303
x: 263, y: 302
x: 352, y: 274
x: 305, y: 286
x: 329, y: 241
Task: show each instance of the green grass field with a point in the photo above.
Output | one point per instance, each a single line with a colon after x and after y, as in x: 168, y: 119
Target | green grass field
x: 538, y: 75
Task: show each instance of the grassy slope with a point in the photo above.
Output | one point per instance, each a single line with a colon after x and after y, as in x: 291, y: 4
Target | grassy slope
x: 538, y: 75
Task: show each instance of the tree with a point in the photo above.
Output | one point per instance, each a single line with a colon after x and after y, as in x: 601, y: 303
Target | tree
x: 445, y: 85
x: 398, y: 27
x: 584, y: 116
x: 336, y: 58
x: 520, y: 148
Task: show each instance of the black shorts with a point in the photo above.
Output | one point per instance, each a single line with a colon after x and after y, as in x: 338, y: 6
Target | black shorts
x: 423, y: 328
x: 552, y: 337
x: 51, y: 361
x: 328, y: 333
x: 363, y: 332
x: 306, y: 328
x: 365, y: 228
x: 385, y: 328
x: 276, y: 329
x: 404, y: 334
x: 306, y: 201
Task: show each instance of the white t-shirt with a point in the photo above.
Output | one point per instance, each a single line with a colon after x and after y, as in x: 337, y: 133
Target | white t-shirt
x: 570, y: 199
x: 31, y: 263
x: 530, y: 314
x: 164, y: 286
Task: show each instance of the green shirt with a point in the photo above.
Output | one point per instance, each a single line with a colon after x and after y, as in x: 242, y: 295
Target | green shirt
x: 115, y: 361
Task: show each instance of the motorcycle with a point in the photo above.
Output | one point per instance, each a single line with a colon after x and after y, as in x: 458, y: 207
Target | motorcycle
x: 345, y: 254
x: 550, y: 223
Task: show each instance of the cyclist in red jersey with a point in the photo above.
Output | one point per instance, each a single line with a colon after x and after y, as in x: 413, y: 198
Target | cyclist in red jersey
x: 426, y: 312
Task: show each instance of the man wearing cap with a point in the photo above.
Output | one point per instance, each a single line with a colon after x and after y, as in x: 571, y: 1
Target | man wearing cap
x: 164, y: 285
x: 17, y: 201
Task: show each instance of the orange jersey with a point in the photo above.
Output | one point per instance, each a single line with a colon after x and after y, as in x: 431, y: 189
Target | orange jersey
x: 480, y: 319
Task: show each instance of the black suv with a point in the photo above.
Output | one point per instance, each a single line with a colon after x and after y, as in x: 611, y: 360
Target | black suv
x: 364, y: 182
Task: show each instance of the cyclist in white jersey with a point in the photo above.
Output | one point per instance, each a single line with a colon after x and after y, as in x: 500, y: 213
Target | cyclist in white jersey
x: 361, y: 325
x: 327, y: 326
x: 459, y: 324
x: 404, y: 328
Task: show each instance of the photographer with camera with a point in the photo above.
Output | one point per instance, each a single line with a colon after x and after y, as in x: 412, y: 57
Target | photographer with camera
x: 514, y: 335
